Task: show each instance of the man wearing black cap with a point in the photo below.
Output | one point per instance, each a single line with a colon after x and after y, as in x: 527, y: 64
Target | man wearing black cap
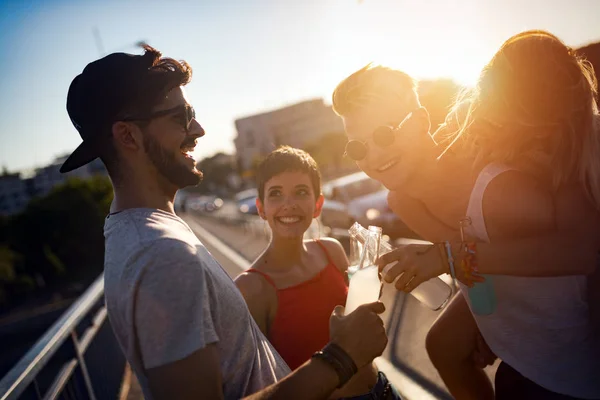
x: 179, y: 318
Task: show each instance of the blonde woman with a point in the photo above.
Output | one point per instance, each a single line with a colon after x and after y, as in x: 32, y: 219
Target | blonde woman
x: 521, y: 159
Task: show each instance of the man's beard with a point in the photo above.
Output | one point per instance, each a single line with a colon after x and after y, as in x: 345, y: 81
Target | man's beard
x: 168, y: 166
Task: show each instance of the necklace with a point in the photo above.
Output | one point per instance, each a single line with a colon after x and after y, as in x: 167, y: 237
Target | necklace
x: 113, y: 213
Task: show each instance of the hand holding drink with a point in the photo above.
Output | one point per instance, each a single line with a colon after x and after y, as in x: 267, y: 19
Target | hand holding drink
x: 361, y: 334
x: 365, y: 286
x: 416, y: 267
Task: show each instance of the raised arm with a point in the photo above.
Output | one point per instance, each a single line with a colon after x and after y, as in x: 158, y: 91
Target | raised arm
x: 542, y: 237
x: 198, y: 376
x: 177, y: 338
x: 361, y: 335
x: 418, y: 218
x: 570, y: 249
x: 316, y: 379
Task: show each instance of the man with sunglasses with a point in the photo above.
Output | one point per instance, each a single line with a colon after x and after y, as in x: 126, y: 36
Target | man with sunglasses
x: 432, y: 194
x: 390, y: 139
x: 179, y: 318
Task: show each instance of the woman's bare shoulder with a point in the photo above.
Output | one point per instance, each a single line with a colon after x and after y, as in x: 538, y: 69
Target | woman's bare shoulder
x: 252, y: 284
x: 336, y: 252
x: 516, y: 204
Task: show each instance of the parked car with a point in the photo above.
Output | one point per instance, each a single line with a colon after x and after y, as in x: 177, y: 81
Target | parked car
x: 204, y: 203
x: 358, y: 198
x: 246, y: 201
x: 214, y: 204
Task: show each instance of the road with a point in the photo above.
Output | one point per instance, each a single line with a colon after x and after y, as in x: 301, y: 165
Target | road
x: 405, y: 360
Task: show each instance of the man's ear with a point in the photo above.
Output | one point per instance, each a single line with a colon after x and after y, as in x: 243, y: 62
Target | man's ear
x: 127, y: 135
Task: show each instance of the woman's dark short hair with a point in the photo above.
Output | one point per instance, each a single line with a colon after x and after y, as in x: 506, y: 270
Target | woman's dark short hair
x: 287, y: 159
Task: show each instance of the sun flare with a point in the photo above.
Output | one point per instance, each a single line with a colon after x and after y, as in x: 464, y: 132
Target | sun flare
x: 402, y: 35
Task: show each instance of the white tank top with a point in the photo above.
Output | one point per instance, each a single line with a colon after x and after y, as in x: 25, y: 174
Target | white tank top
x: 541, y: 326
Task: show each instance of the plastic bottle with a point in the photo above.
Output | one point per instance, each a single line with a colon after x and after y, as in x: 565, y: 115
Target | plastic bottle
x: 365, y: 286
x: 434, y: 293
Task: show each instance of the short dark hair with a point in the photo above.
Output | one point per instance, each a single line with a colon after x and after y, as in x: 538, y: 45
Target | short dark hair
x: 164, y: 74
x: 287, y: 159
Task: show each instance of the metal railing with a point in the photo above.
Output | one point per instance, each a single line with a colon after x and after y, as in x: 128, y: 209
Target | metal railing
x: 77, y: 358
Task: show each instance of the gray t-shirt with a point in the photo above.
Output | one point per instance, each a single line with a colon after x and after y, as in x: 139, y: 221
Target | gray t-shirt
x: 167, y: 297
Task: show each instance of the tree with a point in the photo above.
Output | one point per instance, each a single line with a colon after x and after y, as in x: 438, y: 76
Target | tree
x: 217, y: 170
x: 58, y: 237
x: 8, y: 275
x: 328, y: 152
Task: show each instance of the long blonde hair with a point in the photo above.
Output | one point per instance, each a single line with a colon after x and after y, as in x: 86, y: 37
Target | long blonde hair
x: 533, y: 105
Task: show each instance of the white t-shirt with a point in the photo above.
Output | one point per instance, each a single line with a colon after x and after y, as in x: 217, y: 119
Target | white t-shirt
x: 167, y: 297
x: 541, y: 326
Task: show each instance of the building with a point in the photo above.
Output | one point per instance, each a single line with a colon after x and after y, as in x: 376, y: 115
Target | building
x: 16, y: 190
x: 13, y: 194
x: 299, y: 125
x: 49, y: 176
x: 46, y: 178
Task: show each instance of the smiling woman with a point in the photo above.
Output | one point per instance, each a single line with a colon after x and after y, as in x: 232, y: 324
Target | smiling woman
x: 293, y: 287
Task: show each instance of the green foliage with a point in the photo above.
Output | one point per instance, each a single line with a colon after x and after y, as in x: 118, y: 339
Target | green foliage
x: 58, y: 238
x: 217, y: 170
x: 8, y: 275
x: 328, y: 152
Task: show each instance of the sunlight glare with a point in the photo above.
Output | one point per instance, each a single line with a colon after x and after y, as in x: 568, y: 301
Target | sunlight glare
x: 394, y: 34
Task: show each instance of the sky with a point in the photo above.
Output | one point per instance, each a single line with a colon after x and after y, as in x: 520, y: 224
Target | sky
x: 248, y: 56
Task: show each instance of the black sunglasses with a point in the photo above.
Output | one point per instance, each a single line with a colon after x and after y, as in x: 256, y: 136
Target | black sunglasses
x: 383, y: 136
x: 185, y: 115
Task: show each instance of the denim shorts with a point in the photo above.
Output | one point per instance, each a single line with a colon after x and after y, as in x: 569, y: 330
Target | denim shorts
x: 383, y: 390
x: 511, y: 385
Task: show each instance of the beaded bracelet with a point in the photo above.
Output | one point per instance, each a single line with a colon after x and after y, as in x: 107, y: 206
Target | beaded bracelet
x: 468, y: 263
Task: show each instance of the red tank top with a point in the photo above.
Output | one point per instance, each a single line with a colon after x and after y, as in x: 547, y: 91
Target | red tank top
x: 301, y: 324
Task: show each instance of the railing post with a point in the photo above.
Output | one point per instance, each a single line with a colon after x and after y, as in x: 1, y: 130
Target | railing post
x: 82, y: 366
x: 37, y: 389
x: 34, y: 376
